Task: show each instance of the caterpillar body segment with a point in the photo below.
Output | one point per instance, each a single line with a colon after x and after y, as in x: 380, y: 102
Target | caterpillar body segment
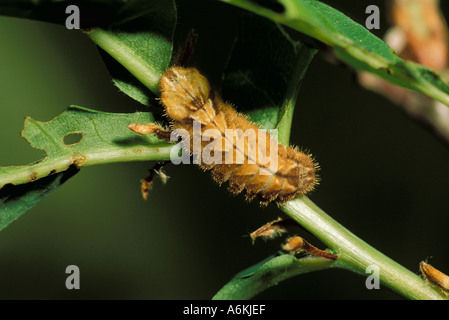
x: 234, y: 149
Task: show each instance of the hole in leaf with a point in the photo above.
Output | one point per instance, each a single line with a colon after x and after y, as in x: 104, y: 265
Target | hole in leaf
x: 72, y: 138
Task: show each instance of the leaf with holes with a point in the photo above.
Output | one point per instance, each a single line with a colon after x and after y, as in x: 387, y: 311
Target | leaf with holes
x: 78, y: 137
x: 84, y: 137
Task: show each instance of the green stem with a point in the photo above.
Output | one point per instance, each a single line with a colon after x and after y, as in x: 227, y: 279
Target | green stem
x: 24, y: 174
x: 355, y: 254
x: 353, y: 44
x: 127, y: 57
x: 304, y: 58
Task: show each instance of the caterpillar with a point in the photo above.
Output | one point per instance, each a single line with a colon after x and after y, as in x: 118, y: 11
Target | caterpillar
x: 198, y: 114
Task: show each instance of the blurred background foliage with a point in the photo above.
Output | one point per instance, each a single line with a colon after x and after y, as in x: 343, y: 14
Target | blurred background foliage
x: 384, y: 177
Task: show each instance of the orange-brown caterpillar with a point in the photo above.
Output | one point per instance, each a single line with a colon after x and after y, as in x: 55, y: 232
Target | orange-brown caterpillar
x: 189, y: 100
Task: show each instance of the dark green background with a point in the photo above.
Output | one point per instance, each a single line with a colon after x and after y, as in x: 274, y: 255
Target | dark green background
x: 384, y: 177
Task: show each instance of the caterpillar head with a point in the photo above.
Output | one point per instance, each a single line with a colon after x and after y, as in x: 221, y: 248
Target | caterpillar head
x: 183, y: 92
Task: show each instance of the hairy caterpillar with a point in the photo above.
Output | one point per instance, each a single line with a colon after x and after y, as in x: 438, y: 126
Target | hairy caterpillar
x: 199, y: 115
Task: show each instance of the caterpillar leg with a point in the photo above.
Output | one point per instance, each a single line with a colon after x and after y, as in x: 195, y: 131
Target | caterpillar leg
x: 148, y: 128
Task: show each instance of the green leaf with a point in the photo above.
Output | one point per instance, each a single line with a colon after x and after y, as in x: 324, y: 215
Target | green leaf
x: 16, y: 200
x: 93, y: 13
x: 270, y: 272
x: 103, y: 138
x: 353, y: 44
x: 78, y: 137
x: 141, y: 33
x: 141, y: 44
x: 138, y: 34
x: 262, y: 78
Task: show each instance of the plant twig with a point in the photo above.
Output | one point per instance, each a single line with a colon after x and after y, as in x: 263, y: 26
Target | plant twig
x: 353, y: 44
x: 355, y: 254
x: 126, y: 56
